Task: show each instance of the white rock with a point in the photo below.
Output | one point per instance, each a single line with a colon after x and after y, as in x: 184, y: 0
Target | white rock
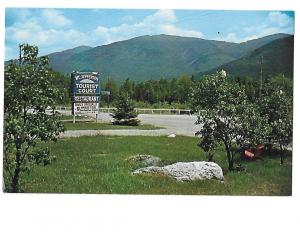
x: 187, y: 171
x: 171, y: 136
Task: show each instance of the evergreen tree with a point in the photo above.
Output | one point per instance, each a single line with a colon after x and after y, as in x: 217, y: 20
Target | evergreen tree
x: 125, y: 114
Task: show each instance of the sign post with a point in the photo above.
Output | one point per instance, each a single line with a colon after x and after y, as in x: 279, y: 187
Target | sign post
x: 85, y: 93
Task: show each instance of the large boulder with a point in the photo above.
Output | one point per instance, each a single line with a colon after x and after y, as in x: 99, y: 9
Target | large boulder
x: 145, y: 160
x: 187, y: 171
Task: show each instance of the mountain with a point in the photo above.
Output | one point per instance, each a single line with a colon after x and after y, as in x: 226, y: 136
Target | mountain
x: 238, y: 50
x: 147, y: 57
x: 277, y: 59
x: 59, y: 60
x: 153, y: 57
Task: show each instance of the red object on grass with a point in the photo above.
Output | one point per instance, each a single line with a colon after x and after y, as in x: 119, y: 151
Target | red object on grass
x: 249, y: 154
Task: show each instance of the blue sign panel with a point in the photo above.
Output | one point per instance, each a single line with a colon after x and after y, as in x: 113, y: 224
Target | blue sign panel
x: 85, y: 83
x: 85, y: 92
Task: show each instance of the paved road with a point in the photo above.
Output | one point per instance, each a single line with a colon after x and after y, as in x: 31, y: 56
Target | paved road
x: 177, y: 124
x: 173, y: 124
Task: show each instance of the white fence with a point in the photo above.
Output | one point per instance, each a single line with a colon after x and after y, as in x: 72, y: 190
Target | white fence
x: 138, y: 110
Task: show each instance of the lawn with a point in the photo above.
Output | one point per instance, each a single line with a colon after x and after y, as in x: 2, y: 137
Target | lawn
x: 88, y: 125
x: 98, y: 165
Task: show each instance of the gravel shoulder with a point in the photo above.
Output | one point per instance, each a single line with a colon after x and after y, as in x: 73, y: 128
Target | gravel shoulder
x: 123, y: 132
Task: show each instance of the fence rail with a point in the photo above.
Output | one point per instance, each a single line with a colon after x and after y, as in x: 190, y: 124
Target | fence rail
x: 139, y: 110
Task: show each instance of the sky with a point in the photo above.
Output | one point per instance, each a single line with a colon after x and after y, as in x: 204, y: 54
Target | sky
x: 58, y: 29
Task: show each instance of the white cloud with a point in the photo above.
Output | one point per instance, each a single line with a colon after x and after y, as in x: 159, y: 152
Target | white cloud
x: 272, y: 30
x: 171, y: 29
x: 161, y: 16
x: 51, y: 37
x: 280, y: 19
x: 101, y: 29
x: 233, y: 37
x: 161, y: 22
x: 46, y: 39
x: 23, y: 31
x: 276, y: 22
x: 55, y: 18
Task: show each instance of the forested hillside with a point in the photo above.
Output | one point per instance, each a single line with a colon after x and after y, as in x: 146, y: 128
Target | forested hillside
x: 161, y: 56
x: 277, y: 59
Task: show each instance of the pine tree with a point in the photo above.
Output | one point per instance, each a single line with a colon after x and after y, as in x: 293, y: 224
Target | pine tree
x: 125, y: 114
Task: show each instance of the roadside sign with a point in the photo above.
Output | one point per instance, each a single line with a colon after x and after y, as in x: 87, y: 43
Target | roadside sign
x: 80, y: 108
x: 85, y: 83
x: 85, y: 93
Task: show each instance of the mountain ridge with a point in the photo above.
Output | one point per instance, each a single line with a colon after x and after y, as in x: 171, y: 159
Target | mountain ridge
x: 249, y: 65
x: 155, y: 56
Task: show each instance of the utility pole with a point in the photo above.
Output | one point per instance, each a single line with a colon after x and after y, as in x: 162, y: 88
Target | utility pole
x: 106, y: 89
x: 20, y: 53
x: 261, y: 74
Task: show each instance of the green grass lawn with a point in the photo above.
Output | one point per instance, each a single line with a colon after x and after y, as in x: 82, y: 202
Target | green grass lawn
x: 98, y: 165
x: 69, y: 125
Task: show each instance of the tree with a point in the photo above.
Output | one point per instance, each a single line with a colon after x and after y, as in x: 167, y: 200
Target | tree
x: 255, y: 128
x: 225, y: 115
x: 125, y: 114
x: 172, y: 91
x: 184, y: 84
x: 128, y: 87
x: 149, y: 92
x: 162, y: 88
x: 63, y: 83
x: 29, y: 116
x: 139, y: 93
x: 277, y: 105
x: 112, y: 87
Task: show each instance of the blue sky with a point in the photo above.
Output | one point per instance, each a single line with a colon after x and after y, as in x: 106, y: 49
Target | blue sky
x: 59, y: 29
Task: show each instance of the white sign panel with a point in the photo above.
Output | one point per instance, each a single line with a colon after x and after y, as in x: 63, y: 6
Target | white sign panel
x: 85, y: 107
x: 91, y: 99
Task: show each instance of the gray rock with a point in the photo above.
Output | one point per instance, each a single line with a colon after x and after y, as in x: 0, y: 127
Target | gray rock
x: 145, y: 160
x: 187, y: 171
